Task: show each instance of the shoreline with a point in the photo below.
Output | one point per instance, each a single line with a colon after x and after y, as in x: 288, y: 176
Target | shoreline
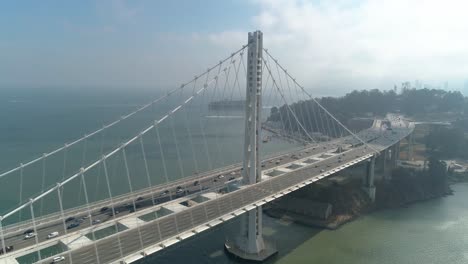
x: 356, y: 201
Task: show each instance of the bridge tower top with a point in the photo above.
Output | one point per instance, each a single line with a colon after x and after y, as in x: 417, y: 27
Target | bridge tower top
x: 253, y: 105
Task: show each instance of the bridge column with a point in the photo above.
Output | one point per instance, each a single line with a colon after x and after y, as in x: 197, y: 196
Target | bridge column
x: 368, y: 184
x: 410, y: 147
x: 250, y: 245
x: 395, y: 149
x: 384, y: 164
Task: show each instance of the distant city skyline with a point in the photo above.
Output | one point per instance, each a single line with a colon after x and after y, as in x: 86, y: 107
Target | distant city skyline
x: 332, y: 47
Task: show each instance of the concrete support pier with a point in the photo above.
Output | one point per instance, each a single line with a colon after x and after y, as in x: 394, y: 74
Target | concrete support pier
x: 410, y: 146
x: 395, y: 153
x: 383, y: 158
x: 249, y: 244
x: 368, y: 183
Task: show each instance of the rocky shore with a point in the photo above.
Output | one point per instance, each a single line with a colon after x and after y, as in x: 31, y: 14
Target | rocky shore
x: 332, y: 203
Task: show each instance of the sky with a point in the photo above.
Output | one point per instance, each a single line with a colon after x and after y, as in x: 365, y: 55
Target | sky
x: 330, y: 46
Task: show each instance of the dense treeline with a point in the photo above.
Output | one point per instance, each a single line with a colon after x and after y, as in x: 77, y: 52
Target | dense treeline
x: 447, y: 142
x: 410, y: 185
x: 360, y: 103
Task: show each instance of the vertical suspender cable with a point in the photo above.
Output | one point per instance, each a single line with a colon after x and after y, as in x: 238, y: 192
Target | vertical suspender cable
x: 106, y: 174
x: 213, y: 98
x: 89, y: 213
x: 158, y: 139
x: 202, y: 130
x: 281, y: 84
x: 189, y: 133
x: 21, y: 189
x: 149, y: 181
x: 31, y: 206
x: 2, y: 235
x: 148, y: 178
x: 101, y: 150
x: 179, y: 160
x: 131, y: 191
x: 62, y: 215
x: 44, y: 157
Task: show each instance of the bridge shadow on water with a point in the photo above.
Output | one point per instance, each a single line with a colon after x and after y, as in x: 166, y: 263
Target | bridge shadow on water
x: 207, y: 247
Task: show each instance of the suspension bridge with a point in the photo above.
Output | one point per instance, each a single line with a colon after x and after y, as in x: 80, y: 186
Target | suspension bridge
x: 174, y: 173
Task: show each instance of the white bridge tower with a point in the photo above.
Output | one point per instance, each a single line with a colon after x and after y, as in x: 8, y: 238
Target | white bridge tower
x: 250, y: 244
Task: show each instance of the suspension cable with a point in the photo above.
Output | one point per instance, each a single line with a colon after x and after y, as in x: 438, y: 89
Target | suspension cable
x: 286, y: 103
x: 323, y: 108
x: 122, y: 118
x: 119, y: 148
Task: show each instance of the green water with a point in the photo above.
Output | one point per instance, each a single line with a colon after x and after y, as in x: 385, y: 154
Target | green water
x: 431, y: 232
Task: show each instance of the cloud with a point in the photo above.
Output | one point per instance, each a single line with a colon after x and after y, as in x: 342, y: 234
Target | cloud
x: 349, y: 44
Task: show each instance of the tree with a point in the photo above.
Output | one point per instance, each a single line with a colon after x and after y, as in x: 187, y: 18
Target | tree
x: 437, y: 170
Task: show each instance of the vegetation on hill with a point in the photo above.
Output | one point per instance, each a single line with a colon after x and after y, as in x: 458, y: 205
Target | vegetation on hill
x: 447, y: 142
x: 409, y: 185
x: 374, y: 102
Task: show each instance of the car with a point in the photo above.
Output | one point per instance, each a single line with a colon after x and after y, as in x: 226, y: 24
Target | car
x: 196, y: 183
x: 179, y: 191
x: 322, y: 170
x: 73, y: 225
x: 104, y: 209
x: 116, y: 212
x: 231, y: 178
x: 28, y: 231
x: 139, y: 199
x: 69, y: 219
x: 220, y: 176
x: 29, y: 235
x: 58, y: 259
x: 52, y: 235
x: 7, y: 248
x: 96, y: 221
